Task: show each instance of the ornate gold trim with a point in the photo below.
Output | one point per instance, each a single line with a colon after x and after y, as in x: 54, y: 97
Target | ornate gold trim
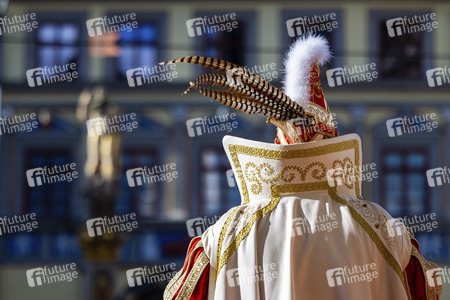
x: 175, y: 283
x: 374, y: 236
x: 223, y: 232
x: 276, y: 189
x: 431, y: 292
x: 254, y: 174
x: 234, y: 150
x: 291, y: 154
x: 193, y: 277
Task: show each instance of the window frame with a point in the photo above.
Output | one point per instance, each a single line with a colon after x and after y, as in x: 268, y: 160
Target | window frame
x: 160, y: 18
x: 77, y: 17
x: 250, y: 56
x: 375, y: 16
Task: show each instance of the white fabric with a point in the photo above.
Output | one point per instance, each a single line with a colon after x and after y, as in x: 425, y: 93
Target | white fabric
x: 302, y: 54
x: 292, y: 262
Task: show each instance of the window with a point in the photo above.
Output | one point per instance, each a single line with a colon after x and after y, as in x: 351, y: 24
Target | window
x: 57, y: 43
x: 144, y: 200
x: 401, y: 56
x: 232, y: 45
x: 138, y: 48
x: 215, y: 192
x: 404, y: 56
x: 48, y: 201
x: 403, y: 182
x: 226, y: 45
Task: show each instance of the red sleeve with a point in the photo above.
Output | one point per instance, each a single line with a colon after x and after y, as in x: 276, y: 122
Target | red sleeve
x: 416, y: 269
x: 191, y: 283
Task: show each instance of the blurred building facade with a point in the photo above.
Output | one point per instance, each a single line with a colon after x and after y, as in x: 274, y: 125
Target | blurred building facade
x: 201, y: 188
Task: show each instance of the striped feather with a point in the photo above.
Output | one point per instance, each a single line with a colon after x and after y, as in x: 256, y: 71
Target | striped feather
x: 244, y: 104
x: 253, y: 87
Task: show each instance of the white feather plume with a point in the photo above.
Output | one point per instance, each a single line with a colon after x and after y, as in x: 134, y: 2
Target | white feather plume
x: 297, y: 64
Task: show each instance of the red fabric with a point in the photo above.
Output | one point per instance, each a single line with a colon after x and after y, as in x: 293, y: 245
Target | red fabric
x: 416, y: 279
x: 316, y: 94
x: 316, y: 97
x: 201, y: 289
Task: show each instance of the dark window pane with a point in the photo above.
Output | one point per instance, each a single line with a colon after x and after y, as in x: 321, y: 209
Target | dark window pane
x: 403, y: 186
x: 400, y: 57
x: 393, y: 160
x: 57, y: 43
x: 145, y: 199
x: 50, y: 200
x: 138, y: 48
x: 214, y: 190
x: 416, y: 193
x: 416, y: 160
x: 230, y: 46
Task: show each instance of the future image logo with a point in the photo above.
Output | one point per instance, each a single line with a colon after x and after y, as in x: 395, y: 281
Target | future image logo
x: 48, y: 75
x: 211, y: 25
x: 111, y: 225
x: 197, y: 226
x: 49, y: 275
x: 438, y: 76
x: 15, y: 24
x: 354, y: 74
x: 303, y: 225
x: 111, y: 124
x: 438, y: 276
x: 438, y: 176
x: 16, y: 224
x: 111, y: 24
x: 411, y: 124
x: 149, y: 175
x: 208, y: 125
x: 351, y: 275
x: 149, y: 75
x: 230, y: 178
x: 410, y: 25
x: 18, y: 123
x: 148, y: 275
x: 248, y: 276
x: 310, y: 25
x: 51, y: 174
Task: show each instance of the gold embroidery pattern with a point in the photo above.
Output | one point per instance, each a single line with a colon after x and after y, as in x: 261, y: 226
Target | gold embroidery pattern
x: 223, y: 232
x: 374, y: 236
x: 244, y: 213
x: 345, y: 165
x: 193, y: 277
x: 379, y: 220
x: 276, y: 190
x: 234, y: 150
x: 265, y: 173
x: 275, y: 199
x: 286, y: 154
x: 408, y: 293
x: 426, y: 266
x: 175, y: 282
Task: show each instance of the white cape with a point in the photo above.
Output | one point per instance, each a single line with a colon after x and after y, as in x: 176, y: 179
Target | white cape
x: 301, y: 234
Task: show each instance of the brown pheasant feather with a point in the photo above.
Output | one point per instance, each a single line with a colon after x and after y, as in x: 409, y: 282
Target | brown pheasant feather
x: 223, y: 81
x: 246, y: 91
x: 242, y: 103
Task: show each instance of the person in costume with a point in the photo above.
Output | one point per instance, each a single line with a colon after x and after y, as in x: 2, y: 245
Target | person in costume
x: 303, y: 229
